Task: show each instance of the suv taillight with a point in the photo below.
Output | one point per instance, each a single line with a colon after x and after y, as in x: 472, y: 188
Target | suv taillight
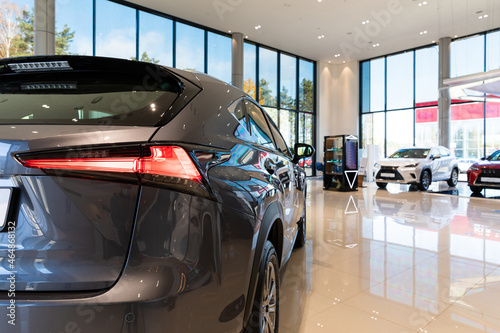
x: 169, y: 166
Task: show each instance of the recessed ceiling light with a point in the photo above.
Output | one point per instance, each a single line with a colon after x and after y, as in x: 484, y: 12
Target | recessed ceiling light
x: 365, y: 22
x: 246, y: 37
x: 321, y: 36
x: 422, y: 3
x: 337, y: 55
x: 257, y: 27
x: 229, y: 31
x: 328, y: 60
x: 423, y: 32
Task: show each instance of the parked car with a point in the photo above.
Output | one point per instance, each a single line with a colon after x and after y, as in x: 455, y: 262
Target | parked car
x: 419, y: 166
x: 140, y: 198
x: 485, y: 173
x: 465, y: 163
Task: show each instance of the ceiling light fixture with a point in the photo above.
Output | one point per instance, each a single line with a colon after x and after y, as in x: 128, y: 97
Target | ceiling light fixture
x: 365, y: 22
x: 321, y: 36
x: 337, y: 55
x: 423, y: 32
x: 257, y: 27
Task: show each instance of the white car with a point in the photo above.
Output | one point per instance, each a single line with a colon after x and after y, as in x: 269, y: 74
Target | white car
x: 419, y: 166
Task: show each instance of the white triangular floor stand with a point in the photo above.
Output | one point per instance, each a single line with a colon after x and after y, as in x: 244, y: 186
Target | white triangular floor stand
x: 347, y: 211
x: 351, y: 182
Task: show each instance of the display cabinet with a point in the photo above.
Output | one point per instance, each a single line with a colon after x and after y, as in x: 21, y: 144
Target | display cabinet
x: 340, y: 163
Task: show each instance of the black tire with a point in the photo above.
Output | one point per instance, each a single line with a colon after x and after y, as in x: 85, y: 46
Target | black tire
x: 265, y: 313
x: 425, y: 180
x: 382, y: 185
x: 453, y: 181
x: 475, y: 189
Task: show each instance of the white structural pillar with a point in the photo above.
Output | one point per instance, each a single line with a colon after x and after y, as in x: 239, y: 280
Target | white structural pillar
x: 444, y: 102
x: 45, y: 26
x: 237, y: 60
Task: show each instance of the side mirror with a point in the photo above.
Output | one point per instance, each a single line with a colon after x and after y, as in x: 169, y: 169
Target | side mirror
x: 483, y: 158
x: 435, y: 157
x: 302, y: 150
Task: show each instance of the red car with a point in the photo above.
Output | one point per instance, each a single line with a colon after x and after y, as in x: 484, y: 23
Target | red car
x: 485, y: 173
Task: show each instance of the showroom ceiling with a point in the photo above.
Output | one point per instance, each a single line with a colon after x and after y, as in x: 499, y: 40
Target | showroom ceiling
x: 339, y: 30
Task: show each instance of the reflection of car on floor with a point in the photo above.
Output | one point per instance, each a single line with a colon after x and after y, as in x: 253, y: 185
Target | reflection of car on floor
x: 142, y: 199
x: 465, y: 163
x: 305, y: 162
x: 419, y: 166
x: 418, y: 210
x: 485, y: 173
x: 482, y: 212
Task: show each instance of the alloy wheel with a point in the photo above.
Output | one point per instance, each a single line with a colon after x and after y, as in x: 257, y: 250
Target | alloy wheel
x: 268, y: 310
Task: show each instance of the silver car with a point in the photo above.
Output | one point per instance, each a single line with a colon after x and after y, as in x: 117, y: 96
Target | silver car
x: 418, y: 166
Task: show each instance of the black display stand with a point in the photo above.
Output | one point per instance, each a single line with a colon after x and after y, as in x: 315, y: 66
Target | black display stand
x: 341, y: 163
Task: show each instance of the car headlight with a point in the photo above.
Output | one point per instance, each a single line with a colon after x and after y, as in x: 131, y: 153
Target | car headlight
x: 473, y: 168
x: 414, y: 165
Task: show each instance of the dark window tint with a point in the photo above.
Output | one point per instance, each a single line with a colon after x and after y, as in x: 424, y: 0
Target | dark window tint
x: 258, y: 125
x: 86, y: 97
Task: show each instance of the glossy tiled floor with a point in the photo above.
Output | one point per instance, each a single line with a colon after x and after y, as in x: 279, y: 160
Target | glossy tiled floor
x: 394, y: 261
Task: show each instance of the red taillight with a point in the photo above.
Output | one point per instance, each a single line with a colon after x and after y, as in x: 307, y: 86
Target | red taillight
x: 171, y: 161
x: 168, y: 161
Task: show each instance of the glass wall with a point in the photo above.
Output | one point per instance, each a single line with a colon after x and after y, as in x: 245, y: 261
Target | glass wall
x: 123, y: 31
x: 399, y: 99
x: 116, y: 30
x: 293, y: 109
x: 475, y: 126
x: 17, y: 28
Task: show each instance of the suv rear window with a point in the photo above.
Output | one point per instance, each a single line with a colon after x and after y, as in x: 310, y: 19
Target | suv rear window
x: 127, y: 95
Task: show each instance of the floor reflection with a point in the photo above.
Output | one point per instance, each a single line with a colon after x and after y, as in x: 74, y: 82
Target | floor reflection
x: 394, y: 260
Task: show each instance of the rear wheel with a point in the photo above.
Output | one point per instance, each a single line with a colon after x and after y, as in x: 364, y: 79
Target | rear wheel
x: 425, y: 181
x: 382, y: 185
x: 475, y: 189
x: 453, y: 181
x: 266, y: 304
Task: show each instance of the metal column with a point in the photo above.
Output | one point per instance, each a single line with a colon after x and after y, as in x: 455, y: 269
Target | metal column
x: 237, y: 60
x: 45, y: 26
x: 444, y: 101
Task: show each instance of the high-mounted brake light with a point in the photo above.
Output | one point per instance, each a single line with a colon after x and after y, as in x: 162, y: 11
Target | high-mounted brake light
x: 171, y: 161
x: 39, y: 66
